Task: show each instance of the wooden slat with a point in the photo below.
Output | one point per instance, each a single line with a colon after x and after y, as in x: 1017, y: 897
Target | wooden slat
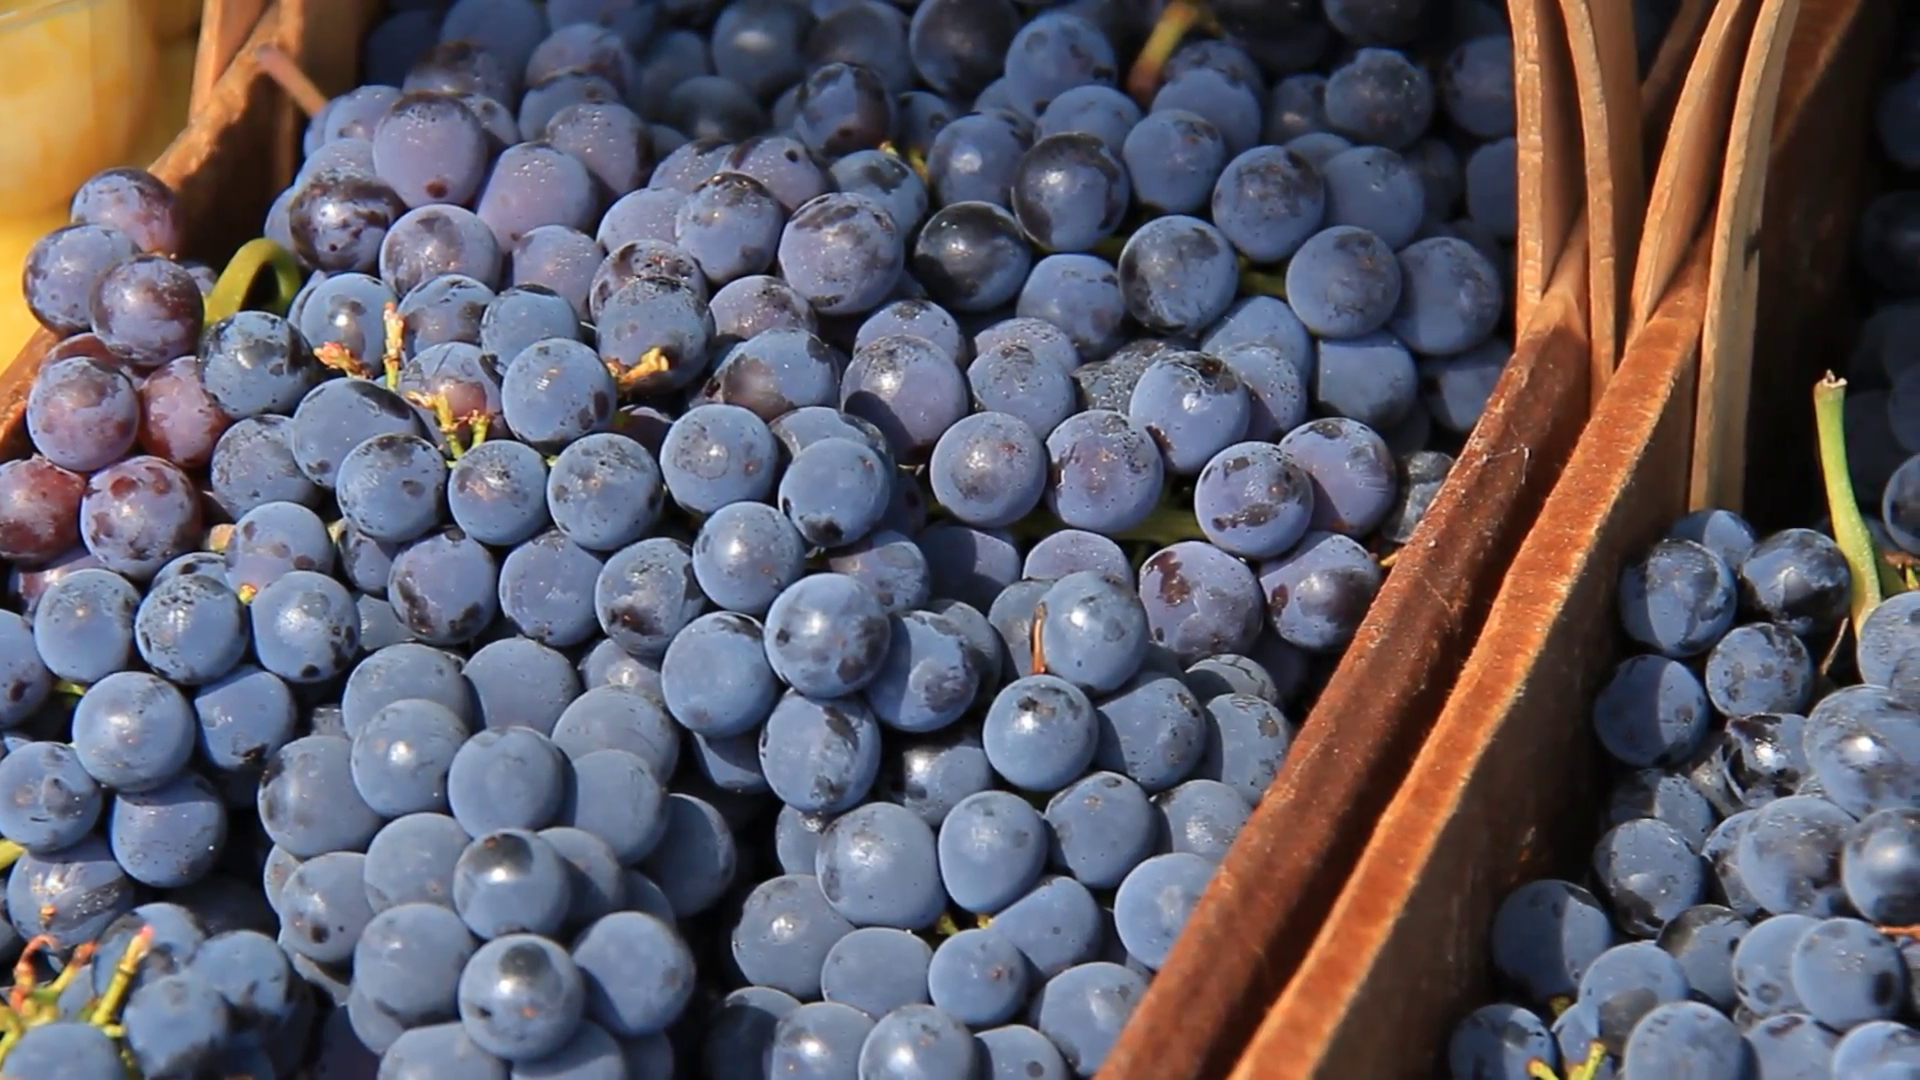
x: 1547, y: 147
x: 1687, y: 177
x: 224, y: 26
x: 1733, y: 282
x: 1607, y: 84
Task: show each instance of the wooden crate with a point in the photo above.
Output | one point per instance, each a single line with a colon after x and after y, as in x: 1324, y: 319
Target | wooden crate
x: 1506, y: 788
x: 1579, y: 165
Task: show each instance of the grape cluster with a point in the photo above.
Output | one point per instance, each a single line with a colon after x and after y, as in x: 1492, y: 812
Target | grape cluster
x: 765, y: 538
x: 1753, y: 906
x: 1756, y: 892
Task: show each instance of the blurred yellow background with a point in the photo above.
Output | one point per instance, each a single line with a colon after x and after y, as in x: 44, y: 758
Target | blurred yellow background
x: 108, y: 85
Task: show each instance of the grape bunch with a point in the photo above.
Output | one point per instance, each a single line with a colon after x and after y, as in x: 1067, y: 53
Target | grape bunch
x: 1005, y: 457
x: 1753, y: 906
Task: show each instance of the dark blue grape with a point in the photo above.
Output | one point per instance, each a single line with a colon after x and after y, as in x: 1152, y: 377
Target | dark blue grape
x: 1084, y: 1008
x: 1376, y: 189
x: 1179, y: 274
x: 1154, y: 902
x: 1269, y: 200
x: 1152, y: 730
x: 745, y: 555
x: 876, y: 969
x: 1081, y: 295
x: 1500, y: 1041
x: 191, y: 629
x: 1370, y: 378
x: 1649, y: 872
x: 826, y: 635
x: 776, y: 371
x: 818, y: 1040
x: 696, y: 857
x: 1343, y: 282
x: 920, y: 318
x: 1652, y: 711
x: 1546, y: 935
x: 1202, y: 817
x: 506, y: 778
x: 843, y: 252
x: 50, y: 802
x: 168, y: 837
x: 1380, y: 97
x: 556, y: 391
x: 511, y: 881
x: 890, y: 564
x: 411, y: 860
x: 1253, y: 501
x: 878, y: 866
x: 391, y: 487
x: 1450, y: 297
x: 639, y: 974
x: 138, y: 515
x: 306, y: 628
x: 784, y: 934
x: 308, y: 803
x: 1200, y: 601
x: 646, y: 594
x: 1318, y: 593
x: 83, y: 627
x: 1678, y: 600
x: 1798, y: 578
x: 444, y: 588
x: 1107, y: 472
x: 133, y: 731
x: 820, y: 757
x: 546, y: 590
x: 989, y: 469
x: 1069, y: 192
x: 909, y: 388
x: 719, y: 642
x: 521, y: 997
x: 1174, y: 158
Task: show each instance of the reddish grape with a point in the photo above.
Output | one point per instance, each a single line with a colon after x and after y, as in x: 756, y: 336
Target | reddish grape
x: 139, y: 514
x: 26, y: 584
x: 39, y: 510
x: 64, y: 268
x: 82, y: 414
x: 148, y: 310
x: 135, y: 202
x: 179, y: 420
x: 86, y: 344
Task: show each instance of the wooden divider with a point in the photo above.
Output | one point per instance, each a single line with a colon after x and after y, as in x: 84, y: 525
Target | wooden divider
x: 1504, y: 789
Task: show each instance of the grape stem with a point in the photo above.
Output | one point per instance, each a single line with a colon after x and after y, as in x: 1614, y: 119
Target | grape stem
x: 1583, y: 1070
x: 273, y: 60
x: 1143, y: 79
x: 10, y: 853
x: 1849, y: 528
x: 230, y: 292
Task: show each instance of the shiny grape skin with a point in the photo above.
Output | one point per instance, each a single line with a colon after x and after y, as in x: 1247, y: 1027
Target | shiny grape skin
x: 1343, y: 282
x: 430, y: 148
x: 1175, y: 159
x: 972, y: 256
x: 1070, y: 192
x: 974, y: 158
x: 731, y: 225
x: 652, y: 312
x: 1179, y: 274
x: 843, y: 252
x: 82, y: 414
x: 147, y: 310
x: 134, y: 202
x: 436, y: 239
x: 179, y: 420
x: 63, y: 269
x: 1107, y: 472
x: 339, y: 219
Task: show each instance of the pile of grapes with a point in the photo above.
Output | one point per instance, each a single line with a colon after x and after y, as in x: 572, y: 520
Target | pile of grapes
x: 759, y: 538
x: 1754, y: 904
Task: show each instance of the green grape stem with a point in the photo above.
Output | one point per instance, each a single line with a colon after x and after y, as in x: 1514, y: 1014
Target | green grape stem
x: 1849, y: 528
x: 10, y: 853
x: 230, y: 292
